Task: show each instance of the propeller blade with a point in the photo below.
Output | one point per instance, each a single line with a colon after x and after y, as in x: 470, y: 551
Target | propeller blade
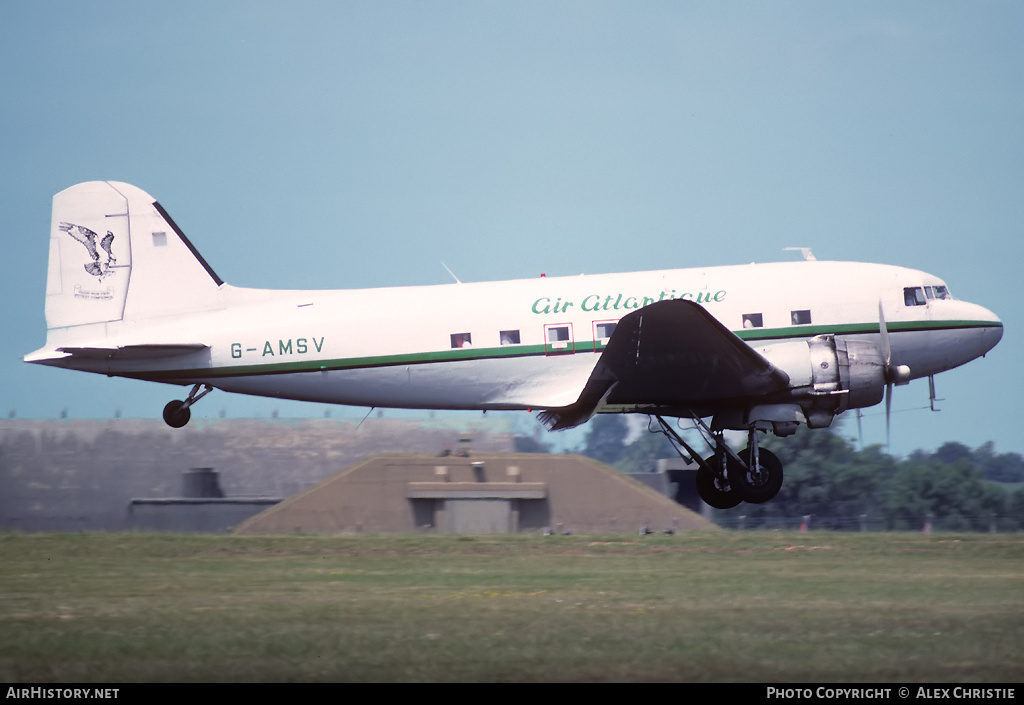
x: 888, y: 412
x: 886, y: 349
x: 883, y: 332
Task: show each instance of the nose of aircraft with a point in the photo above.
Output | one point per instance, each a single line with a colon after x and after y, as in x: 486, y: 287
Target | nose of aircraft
x: 986, y: 328
x: 965, y: 332
x: 995, y: 333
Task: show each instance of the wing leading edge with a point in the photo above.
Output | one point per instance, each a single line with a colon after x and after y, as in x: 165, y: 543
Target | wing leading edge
x: 670, y: 353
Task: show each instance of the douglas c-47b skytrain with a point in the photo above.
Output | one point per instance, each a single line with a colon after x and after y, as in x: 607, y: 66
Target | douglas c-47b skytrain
x: 755, y: 348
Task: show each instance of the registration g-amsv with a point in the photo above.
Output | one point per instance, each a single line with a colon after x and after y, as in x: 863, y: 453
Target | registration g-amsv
x: 620, y: 302
x: 283, y: 346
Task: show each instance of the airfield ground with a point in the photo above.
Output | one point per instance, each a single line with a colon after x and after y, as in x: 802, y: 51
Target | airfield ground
x: 716, y: 606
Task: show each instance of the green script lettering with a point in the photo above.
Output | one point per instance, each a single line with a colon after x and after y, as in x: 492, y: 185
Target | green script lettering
x: 618, y: 302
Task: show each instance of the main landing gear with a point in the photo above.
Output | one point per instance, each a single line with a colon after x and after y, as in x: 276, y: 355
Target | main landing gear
x: 726, y: 478
x: 177, y: 414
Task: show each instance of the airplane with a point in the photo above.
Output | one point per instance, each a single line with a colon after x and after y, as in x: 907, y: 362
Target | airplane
x: 755, y: 348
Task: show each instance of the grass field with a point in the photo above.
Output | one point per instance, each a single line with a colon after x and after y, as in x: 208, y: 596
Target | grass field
x: 751, y: 607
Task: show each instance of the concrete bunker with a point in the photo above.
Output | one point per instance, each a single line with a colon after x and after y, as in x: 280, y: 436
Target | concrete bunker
x: 483, y: 494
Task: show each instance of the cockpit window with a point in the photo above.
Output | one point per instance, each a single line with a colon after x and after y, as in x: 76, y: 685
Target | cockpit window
x: 939, y: 291
x: 914, y: 296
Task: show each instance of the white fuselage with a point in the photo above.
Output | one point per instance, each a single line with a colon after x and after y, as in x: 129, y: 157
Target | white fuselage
x: 528, y: 343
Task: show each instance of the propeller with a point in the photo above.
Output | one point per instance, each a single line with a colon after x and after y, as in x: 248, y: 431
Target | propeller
x: 894, y: 374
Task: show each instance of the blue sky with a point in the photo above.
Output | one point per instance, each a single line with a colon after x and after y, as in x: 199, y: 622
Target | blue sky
x: 360, y: 144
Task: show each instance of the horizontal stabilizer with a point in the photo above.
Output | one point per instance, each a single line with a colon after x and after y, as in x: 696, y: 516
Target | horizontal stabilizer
x: 134, y: 352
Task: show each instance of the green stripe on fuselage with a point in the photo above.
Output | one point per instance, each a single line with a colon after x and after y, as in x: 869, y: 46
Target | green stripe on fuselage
x: 750, y: 335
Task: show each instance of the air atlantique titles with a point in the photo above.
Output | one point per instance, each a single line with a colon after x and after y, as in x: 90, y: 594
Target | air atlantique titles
x: 619, y: 302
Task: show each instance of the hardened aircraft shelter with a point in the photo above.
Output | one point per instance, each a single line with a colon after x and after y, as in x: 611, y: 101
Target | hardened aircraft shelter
x: 480, y: 494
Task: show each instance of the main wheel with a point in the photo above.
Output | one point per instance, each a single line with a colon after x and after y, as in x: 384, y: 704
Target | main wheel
x: 176, y: 414
x: 715, y: 491
x: 756, y: 485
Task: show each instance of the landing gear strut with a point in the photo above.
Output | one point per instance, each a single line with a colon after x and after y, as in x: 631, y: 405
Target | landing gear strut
x: 177, y: 414
x: 757, y: 477
x: 725, y: 479
x: 713, y: 483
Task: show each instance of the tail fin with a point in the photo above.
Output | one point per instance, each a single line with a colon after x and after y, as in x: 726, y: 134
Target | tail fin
x: 115, y: 255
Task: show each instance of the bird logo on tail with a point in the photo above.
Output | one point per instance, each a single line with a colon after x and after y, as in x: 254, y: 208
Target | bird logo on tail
x: 88, y: 238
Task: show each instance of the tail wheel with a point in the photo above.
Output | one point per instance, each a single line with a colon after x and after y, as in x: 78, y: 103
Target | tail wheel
x: 760, y: 484
x: 712, y: 486
x: 176, y: 414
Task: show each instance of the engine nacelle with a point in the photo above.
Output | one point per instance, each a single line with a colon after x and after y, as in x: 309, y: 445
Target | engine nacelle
x: 827, y: 376
x: 855, y: 371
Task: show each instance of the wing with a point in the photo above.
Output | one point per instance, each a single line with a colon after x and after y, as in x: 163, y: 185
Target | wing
x: 671, y: 353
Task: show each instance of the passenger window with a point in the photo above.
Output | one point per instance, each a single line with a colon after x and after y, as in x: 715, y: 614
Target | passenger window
x: 602, y: 333
x: 753, y: 320
x: 461, y: 340
x: 913, y: 296
x: 558, y: 338
x: 510, y: 337
x: 558, y: 334
x: 801, y: 318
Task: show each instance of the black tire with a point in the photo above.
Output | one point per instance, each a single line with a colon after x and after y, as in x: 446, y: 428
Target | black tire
x: 175, y: 416
x: 756, y: 485
x: 712, y: 490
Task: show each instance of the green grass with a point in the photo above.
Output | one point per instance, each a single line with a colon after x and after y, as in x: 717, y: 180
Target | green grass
x: 761, y: 607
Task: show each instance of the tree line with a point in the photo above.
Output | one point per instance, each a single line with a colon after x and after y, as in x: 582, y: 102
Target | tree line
x: 830, y: 484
